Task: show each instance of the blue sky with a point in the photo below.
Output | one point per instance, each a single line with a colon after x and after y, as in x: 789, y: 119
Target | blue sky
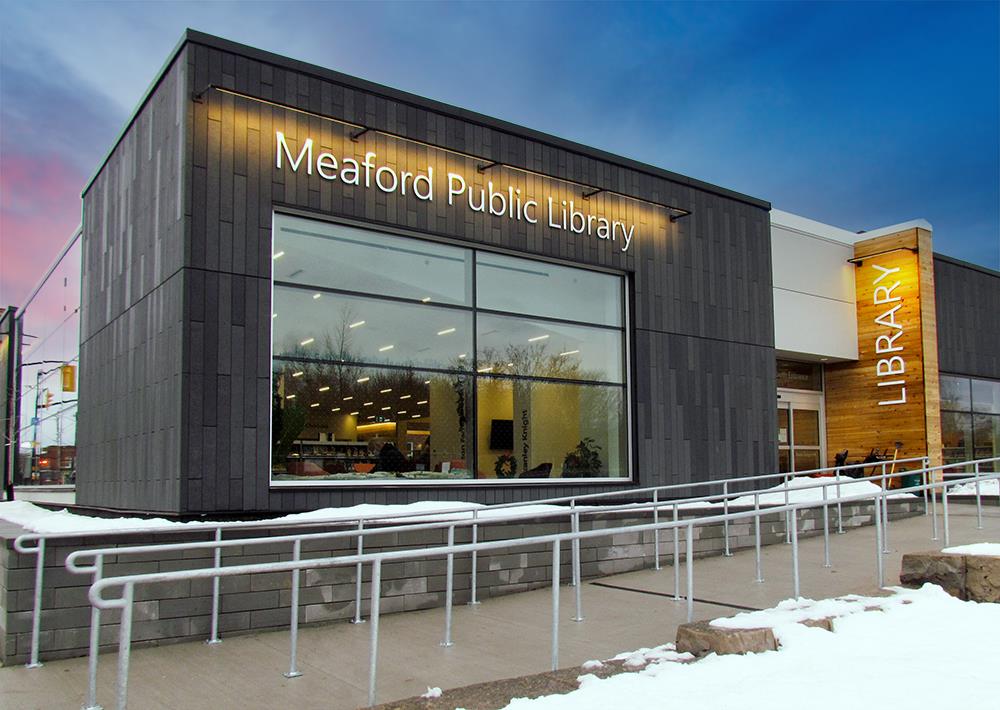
x: 860, y: 115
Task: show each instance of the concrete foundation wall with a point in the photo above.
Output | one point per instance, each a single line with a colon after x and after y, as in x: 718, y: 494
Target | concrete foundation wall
x: 181, y: 611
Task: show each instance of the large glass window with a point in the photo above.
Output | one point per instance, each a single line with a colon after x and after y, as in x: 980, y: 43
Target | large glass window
x: 970, y: 420
x: 387, y: 367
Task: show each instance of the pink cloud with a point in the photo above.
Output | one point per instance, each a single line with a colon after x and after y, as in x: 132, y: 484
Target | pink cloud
x: 39, y: 210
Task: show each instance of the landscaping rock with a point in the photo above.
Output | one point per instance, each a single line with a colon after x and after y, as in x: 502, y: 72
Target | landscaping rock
x: 700, y: 638
x: 944, y: 570
x: 982, y: 578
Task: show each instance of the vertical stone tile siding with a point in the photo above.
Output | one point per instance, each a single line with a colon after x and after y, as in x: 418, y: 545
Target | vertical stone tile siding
x: 181, y: 611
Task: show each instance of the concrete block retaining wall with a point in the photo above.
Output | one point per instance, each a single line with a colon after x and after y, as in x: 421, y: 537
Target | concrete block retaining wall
x: 181, y: 611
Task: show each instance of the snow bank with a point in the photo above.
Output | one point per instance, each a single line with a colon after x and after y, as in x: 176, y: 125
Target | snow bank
x: 986, y: 488
x: 874, y: 659
x: 806, y: 490
x: 41, y: 520
x: 979, y: 548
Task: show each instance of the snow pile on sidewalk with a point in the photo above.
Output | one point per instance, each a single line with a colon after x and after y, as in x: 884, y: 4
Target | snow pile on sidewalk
x: 986, y: 488
x: 41, y: 520
x: 924, y: 649
x: 978, y: 548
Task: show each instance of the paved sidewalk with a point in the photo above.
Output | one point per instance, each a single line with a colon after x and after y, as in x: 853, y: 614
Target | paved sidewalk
x: 503, y: 637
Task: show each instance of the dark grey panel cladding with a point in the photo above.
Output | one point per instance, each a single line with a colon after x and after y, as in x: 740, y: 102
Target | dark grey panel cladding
x: 702, y: 285
x: 130, y: 355
x: 968, y: 303
x: 128, y: 424
x: 705, y: 409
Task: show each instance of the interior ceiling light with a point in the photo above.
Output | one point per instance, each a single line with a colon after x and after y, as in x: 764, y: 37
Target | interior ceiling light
x: 367, y: 404
x: 485, y: 369
x: 538, y: 337
x: 314, y: 404
x: 406, y: 396
x: 423, y: 401
x: 568, y: 352
x: 363, y: 379
x: 279, y: 255
x: 324, y: 388
x: 425, y: 299
x: 387, y: 390
x: 354, y: 414
x: 335, y: 409
x: 316, y: 295
x: 274, y: 315
x: 298, y: 373
x: 463, y: 356
x: 415, y: 416
x: 356, y: 324
x: 427, y: 382
x: 348, y: 398
x: 401, y: 411
x: 385, y: 408
x: 446, y: 331
x: 307, y: 341
x: 291, y: 396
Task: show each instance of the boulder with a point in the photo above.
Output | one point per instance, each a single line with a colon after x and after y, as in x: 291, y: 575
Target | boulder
x: 700, y: 638
x: 945, y: 570
x: 982, y: 578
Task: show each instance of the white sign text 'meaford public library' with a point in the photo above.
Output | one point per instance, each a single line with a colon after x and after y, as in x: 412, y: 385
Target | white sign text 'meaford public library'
x: 889, y: 369
x: 494, y: 200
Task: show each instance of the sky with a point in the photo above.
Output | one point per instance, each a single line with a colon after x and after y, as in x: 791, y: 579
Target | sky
x: 858, y: 115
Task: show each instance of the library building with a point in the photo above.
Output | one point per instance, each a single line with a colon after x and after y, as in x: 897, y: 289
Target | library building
x: 299, y: 289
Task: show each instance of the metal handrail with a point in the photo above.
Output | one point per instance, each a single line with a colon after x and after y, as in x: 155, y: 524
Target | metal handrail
x: 21, y: 543
x: 128, y: 582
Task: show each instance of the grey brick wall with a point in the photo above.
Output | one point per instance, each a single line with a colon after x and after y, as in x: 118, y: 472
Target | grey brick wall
x: 181, y: 611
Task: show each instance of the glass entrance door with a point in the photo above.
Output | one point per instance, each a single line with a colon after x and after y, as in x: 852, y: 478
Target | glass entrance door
x: 800, y: 431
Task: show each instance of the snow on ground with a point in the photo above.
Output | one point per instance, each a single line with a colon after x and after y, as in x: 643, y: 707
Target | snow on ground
x: 925, y: 649
x: 42, y: 520
x: 979, y: 548
x: 986, y: 488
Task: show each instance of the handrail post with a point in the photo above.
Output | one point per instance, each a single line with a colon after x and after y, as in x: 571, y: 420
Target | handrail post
x: 885, y: 512
x: 373, y: 642
x: 36, y: 615
x: 95, y: 640
x: 293, y: 631
x: 795, y: 552
x: 826, y: 529
x: 944, y: 512
x: 473, y: 601
x: 879, y: 564
x: 577, y: 577
x: 656, y: 532
x: 979, y: 499
x: 449, y: 588
x: 934, y: 513
x: 677, y: 558
x: 725, y: 521
x: 840, y: 508
x: 125, y: 644
x: 788, y: 531
x: 756, y: 540
x: 555, y: 605
x: 925, y: 477
x: 690, y: 572
x: 359, y: 574
x: 574, y: 526
x: 214, y: 634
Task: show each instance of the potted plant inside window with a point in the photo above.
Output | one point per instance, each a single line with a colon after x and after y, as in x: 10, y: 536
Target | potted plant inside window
x: 584, y: 461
